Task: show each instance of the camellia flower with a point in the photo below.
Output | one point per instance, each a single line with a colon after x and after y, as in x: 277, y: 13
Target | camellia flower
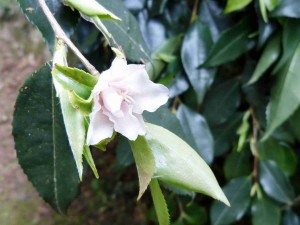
x: 121, y: 95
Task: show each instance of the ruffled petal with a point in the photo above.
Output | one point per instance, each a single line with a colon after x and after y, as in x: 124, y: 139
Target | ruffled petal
x: 112, y: 100
x: 99, y: 129
x: 129, y: 125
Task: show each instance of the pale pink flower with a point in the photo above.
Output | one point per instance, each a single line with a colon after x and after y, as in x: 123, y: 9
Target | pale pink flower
x: 121, y: 95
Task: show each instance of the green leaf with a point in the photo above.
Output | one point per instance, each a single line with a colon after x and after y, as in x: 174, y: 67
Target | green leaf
x: 160, y: 204
x: 195, y: 47
x: 221, y: 101
x: 271, y: 4
x: 232, y: 44
x: 275, y: 183
x: 243, y: 131
x: 89, y: 158
x: 145, y: 162
x: 285, y: 97
x: 234, y: 5
x: 126, y: 33
x: 195, y: 126
x: 237, y: 164
x: 195, y: 215
x: 69, y: 84
x: 41, y: 141
x: 64, y: 15
x: 75, y: 128
x: 78, y: 76
x: 285, y: 158
x: 225, y: 134
x: 124, y: 154
x: 238, y: 192
x: 263, y: 10
x: 287, y: 8
x: 178, y: 164
x: 291, y: 218
x: 268, y: 57
x: 80, y: 104
x: 265, y: 212
x: 92, y: 8
x: 290, y: 41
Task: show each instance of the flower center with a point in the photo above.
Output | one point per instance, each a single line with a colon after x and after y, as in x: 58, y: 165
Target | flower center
x: 126, y: 97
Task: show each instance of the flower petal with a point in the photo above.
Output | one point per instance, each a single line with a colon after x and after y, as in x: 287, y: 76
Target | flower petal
x: 99, y: 129
x: 129, y: 125
x: 118, y: 69
x: 112, y: 100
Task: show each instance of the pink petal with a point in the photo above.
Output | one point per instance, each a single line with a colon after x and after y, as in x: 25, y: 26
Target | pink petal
x: 118, y: 69
x: 130, y: 125
x: 99, y: 129
x: 112, y: 100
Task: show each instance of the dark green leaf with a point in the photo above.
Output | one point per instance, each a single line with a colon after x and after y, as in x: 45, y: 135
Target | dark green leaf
x: 265, y: 211
x: 265, y: 31
x: 64, y: 15
x: 195, y: 47
x: 232, y: 44
x: 211, y: 14
x: 159, y: 203
x: 195, y: 126
x: 294, y: 122
x: 285, y: 158
x: 237, y: 164
x: 268, y: 57
x: 238, y: 192
x: 123, y: 152
x: 285, y: 98
x: 287, y: 8
x: 290, y: 41
x: 271, y: 4
x: 195, y: 215
x: 41, y: 141
x: 126, y: 33
x: 222, y: 101
x: 291, y: 218
x: 225, y: 134
x: 275, y: 183
x: 233, y: 5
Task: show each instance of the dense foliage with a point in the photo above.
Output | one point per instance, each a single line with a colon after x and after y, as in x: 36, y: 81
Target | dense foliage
x: 233, y: 71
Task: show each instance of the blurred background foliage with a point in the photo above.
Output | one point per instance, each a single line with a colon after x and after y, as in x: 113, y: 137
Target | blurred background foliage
x: 232, y: 67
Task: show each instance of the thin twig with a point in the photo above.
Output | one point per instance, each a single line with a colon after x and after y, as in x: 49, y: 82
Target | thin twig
x: 59, y: 33
x: 195, y: 10
x: 256, y: 127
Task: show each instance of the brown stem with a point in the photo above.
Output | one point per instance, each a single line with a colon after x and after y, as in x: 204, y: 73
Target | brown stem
x: 59, y: 33
x: 255, y: 129
x: 195, y: 10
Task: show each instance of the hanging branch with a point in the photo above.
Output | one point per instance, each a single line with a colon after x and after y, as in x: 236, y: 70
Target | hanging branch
x: 60, y: 34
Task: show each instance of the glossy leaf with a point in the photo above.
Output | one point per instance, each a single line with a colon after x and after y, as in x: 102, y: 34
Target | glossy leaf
x: 291, y: 218
x: 211, y: 14
x: 232, y: 44
x: 233, y: 5
x: 145, y: 162
x: 290, y: 41
x: 285, y: 158
x: 237, y: 164
x: 41, y: 141
x: 268, y: 57
x: 271, y: 4
x: 225, y: 134
x: 238, y: 192
x: 222, y: 101
x: 64, y: 15
x: 126, y: 33
x: 287, y: 8
x: 265, y: 211
x: 92, y: 8
x: 124, y: 154
x: 178, y: 164
x: 195, y: 126
x: 195, y: 47
x: 285, y: 98
x: 275, y: 183
x: 159, y: 203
